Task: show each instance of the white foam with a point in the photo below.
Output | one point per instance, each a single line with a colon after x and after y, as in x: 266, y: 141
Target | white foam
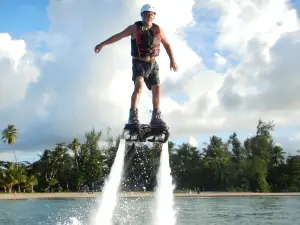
x: 164, y: 199
x: 109, y: 197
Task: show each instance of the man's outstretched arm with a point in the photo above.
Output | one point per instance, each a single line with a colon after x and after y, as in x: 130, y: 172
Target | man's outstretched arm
x: 169, y: 51
x: 125, y: 33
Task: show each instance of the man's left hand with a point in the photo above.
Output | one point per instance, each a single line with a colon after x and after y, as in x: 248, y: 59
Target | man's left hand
x: 173, y: 66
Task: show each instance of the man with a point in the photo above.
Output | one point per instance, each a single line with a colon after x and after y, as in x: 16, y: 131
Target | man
x: 146, y: 37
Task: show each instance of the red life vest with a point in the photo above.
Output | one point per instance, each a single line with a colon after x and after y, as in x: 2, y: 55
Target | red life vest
x: 147, y: 41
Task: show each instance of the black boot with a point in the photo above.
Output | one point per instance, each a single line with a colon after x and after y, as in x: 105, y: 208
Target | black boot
x: 156, y: 119
x: 133, y: 116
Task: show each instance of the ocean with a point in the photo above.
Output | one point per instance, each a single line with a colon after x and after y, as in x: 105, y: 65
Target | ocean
x: 133, y: 210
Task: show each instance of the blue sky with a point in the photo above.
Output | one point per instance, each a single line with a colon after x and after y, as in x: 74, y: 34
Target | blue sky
x: 31, y: 15
x: 26, y: 16
x: 20, y: 17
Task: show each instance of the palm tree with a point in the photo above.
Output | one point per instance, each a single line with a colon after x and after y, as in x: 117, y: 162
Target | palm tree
x: 277, y: 155
x: 74, y: 146
x: 10, y: 136
x: 3, y: 180
x: 20, y: 176
x: 11, y: 176
x: 31, y: 182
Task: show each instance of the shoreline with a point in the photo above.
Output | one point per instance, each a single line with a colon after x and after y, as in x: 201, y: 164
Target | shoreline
x: 63, y: 195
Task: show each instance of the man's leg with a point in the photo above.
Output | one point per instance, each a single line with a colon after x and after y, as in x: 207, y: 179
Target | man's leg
x: 138, y: 72
x: 138, y: 88
x: 156, y: 96
x: 154, y: 85
x: 135, y: 97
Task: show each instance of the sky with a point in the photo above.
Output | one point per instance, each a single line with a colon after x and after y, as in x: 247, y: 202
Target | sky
x: 237, y: 64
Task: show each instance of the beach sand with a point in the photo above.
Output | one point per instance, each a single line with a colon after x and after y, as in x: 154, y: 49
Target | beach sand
x: 16, y: 196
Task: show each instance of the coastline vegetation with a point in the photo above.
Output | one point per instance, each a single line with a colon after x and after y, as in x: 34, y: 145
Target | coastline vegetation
x: 255, y: 165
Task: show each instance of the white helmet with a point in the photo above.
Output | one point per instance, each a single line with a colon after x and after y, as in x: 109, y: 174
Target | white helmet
x: 149, y: 8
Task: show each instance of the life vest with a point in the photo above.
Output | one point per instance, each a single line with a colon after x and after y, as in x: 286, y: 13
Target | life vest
x: 147, y: 41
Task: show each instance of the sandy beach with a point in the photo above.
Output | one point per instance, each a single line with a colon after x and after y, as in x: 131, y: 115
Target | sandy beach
x: 18, y: 196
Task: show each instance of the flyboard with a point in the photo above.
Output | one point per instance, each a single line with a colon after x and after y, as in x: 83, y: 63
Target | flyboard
x: 137, y: 133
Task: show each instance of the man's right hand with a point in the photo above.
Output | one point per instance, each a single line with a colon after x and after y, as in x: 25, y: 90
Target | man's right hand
x: 98, y: 48
x: 173, y: 66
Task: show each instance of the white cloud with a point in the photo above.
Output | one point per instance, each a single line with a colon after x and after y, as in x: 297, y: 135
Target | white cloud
x: 220, y: 60
x: 17, y: 70
x: 14, y: 49
x: 296, y: 137
x: 264, y: 84
x: 266, y: 80
x: 193, y: 141
x: 243, y: 22
x: 22, y: 156
x: 77, y: 89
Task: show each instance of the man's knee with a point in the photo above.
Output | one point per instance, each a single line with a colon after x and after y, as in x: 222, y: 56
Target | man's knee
x: 138, y: 84
x: 154, y: 83
x: 155, y: 89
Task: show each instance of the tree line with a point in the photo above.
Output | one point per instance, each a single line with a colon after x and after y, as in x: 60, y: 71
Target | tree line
x: 255, y: 165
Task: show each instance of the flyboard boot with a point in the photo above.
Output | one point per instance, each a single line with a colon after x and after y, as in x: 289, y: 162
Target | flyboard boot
x: 156, y: 120
x: 133, y: 117
x: 133, y: 125
x: 159, y: 129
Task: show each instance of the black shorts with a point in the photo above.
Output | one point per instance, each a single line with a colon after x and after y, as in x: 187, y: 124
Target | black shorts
x: 148, y: 70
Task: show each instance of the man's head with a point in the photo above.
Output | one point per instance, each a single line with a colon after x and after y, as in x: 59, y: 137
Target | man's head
x: 148, y: 13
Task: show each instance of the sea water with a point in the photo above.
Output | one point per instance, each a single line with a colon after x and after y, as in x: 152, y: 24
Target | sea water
x: 190, y: 210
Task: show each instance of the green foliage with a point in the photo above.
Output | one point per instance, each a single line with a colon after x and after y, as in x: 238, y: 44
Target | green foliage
x: 10, y: 135
x: 256, y: 165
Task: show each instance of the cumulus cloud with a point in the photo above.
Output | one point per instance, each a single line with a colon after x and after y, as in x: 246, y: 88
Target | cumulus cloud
x: 266, y: 80
x: 69, y: 89
x: 193, y: 141
x: 17, y: 70
x: 263, y: 22
x: 261, y: 80
x: 77, y: 89
x: 29, y: 156
x: 297, y: 136
x: 220, y: 60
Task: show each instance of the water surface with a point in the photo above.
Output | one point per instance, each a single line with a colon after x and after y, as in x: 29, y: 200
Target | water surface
x: 190, y: 211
